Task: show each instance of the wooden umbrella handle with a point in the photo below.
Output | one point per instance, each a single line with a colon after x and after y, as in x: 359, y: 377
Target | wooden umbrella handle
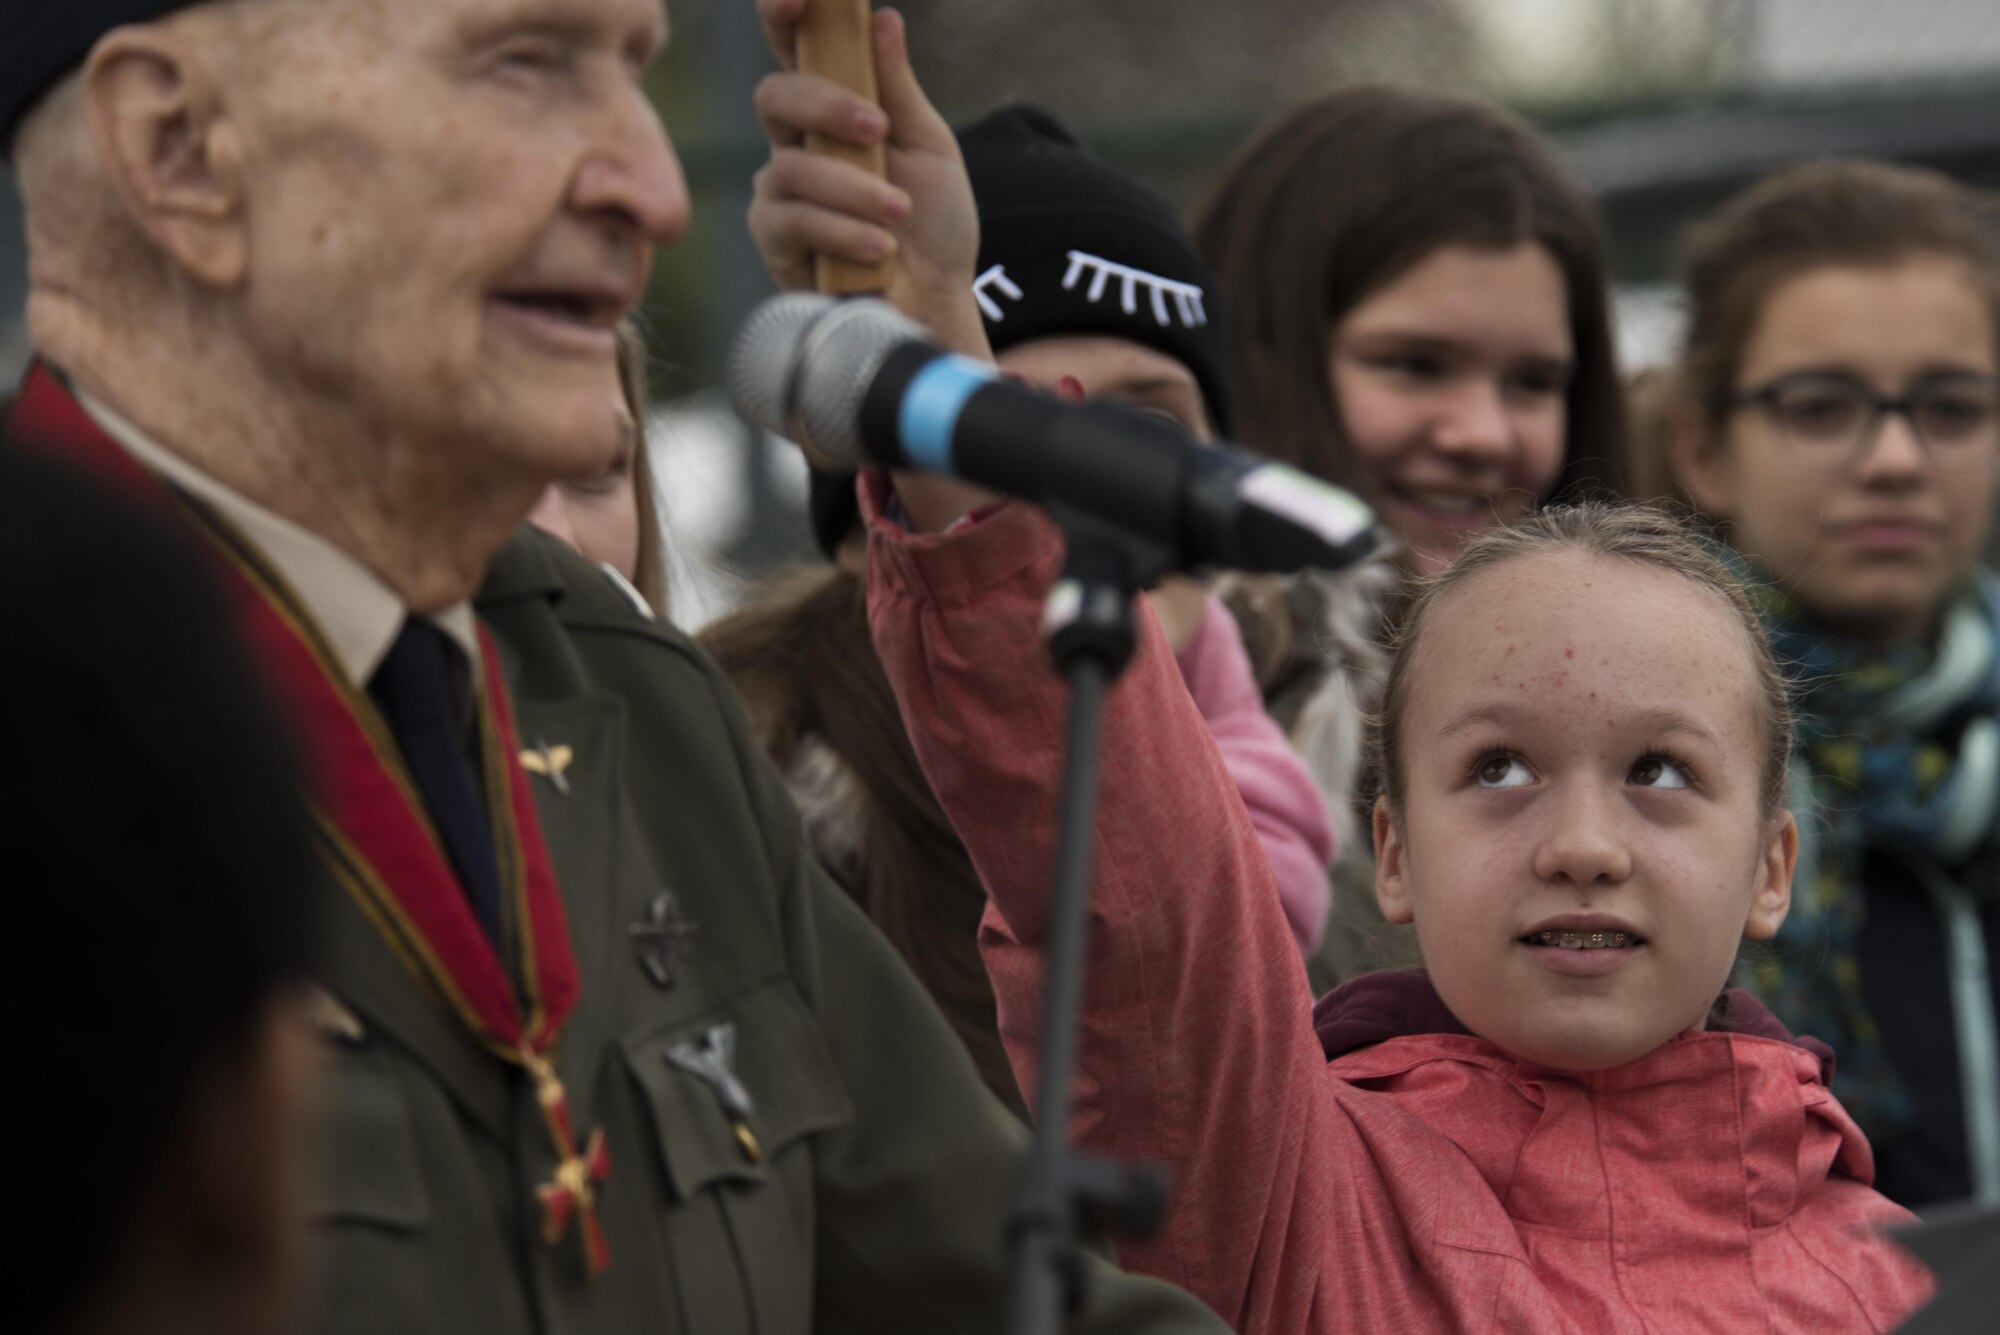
x: 834, y: 43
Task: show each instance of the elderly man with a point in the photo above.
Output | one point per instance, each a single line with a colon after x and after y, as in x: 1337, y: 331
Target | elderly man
x: 336, y: 283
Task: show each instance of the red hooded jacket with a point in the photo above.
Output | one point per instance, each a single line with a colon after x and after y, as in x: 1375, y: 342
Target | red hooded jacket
x: 1425, y: 1182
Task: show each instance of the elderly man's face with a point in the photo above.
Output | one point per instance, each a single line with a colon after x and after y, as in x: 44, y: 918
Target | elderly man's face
x: 451, y: 204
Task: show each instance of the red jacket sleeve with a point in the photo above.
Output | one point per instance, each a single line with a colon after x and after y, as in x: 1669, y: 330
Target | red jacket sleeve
x: 1277, y: 789
x: 1197, y: 1049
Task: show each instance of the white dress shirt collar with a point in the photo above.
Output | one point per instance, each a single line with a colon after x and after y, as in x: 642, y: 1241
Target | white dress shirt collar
x: 357, y: 611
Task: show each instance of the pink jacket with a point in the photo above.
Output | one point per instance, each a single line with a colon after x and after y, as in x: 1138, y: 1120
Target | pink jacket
x: 1278, y: 791
x: 1428, y: 1182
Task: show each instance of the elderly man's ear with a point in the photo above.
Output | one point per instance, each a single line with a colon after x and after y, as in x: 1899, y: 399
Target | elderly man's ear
x: 168, y: 147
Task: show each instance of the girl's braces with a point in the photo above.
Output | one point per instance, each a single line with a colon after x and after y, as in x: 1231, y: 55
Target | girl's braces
x: 1584, y: 940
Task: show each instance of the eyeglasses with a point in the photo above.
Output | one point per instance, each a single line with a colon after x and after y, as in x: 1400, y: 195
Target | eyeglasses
x: 1830, y: 420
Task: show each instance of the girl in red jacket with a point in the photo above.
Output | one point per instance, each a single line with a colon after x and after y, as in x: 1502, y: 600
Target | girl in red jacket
x: 1563, y: 1123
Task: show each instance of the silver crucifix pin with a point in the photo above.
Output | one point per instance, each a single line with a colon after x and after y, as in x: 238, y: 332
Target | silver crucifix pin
x: 661, y: 939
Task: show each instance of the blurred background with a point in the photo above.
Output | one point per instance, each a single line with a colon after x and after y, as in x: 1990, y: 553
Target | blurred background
x: 1663, y: 107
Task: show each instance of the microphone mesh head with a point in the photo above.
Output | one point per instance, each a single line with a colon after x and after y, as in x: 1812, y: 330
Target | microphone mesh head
x: 762, y: 357
x: 802, y: 364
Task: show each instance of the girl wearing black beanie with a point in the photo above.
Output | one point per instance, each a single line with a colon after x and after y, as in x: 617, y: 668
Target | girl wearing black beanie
x: 1086, y: 283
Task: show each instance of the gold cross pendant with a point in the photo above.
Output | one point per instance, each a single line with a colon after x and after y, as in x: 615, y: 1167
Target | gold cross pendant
x: 572, y: 1193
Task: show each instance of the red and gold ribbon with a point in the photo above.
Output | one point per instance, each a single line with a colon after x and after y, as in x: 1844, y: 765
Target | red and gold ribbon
x: 373, y: 831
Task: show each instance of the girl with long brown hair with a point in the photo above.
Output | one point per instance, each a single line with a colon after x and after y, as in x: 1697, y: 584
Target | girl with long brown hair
x: 1419, y: 313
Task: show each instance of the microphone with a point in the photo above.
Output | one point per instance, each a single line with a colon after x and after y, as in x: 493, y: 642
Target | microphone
x: 855, y: 382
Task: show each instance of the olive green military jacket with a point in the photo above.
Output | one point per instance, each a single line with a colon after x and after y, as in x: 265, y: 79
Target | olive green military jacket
x: 877, y: 1198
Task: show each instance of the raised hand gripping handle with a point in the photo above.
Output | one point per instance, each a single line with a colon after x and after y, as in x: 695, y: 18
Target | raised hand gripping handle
x: 834, y: 43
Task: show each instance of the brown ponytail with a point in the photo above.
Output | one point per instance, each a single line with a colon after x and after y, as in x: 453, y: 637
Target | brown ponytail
x: 805, y: 665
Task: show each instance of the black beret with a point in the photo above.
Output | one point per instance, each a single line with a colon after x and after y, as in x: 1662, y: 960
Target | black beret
x: 45, y: 41
x: 1070, y: 245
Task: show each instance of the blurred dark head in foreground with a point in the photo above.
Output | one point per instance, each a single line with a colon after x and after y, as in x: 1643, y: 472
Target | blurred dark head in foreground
x: 157, y: 877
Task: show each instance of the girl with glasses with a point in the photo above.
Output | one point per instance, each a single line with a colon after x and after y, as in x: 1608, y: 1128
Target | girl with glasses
x: 1838, y: 415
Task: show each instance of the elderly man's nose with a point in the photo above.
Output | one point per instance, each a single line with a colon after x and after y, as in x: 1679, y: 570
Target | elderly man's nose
x: 635, y: 173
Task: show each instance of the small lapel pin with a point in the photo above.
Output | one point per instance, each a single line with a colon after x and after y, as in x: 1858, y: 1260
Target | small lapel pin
x: 713, y: 1062
x: 332, y: 1018
x: 661, y: 939
x: 550, y: 762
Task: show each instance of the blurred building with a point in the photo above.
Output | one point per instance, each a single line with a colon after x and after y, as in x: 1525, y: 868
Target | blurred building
x: 1737, y: 89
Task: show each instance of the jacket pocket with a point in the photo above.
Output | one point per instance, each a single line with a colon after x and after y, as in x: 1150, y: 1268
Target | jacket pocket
x: 371, y: 1212
x: 734, y: 1098
x: 787, y: 1088
x: 369, y: 1172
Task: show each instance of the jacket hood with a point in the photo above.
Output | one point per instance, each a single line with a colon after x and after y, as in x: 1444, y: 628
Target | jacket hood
x: 1376, y: 1007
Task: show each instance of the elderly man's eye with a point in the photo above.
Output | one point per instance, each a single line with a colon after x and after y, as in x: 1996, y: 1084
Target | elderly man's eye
x: 534, y: 56
x: 1501, y: 769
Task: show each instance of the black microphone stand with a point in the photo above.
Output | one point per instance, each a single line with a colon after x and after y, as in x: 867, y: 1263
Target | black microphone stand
x: 1091, y: 636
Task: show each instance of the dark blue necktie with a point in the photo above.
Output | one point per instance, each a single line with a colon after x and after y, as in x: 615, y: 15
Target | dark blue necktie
x: 413, y: 688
